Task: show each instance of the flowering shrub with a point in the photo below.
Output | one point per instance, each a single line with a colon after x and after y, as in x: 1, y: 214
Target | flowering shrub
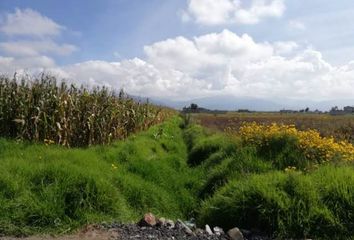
x: 313, y: 147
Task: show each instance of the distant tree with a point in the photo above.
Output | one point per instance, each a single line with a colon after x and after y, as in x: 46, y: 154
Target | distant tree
x: 307, y: 109
x: 194, y: 106
x: 334, y: 108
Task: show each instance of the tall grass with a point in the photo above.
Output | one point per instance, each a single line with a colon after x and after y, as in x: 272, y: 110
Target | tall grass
x: 55, y: 189
x: 42, y: 109
x: 287, y: 205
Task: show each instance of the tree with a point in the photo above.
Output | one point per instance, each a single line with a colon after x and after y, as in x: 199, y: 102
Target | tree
x: 194, y: 106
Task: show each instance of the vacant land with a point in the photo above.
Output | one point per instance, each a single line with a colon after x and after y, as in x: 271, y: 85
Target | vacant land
x: 340, y: 127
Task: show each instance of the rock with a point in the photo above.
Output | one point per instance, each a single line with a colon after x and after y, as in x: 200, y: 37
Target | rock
x: 191, y: 223
x: 149, y: 220
x: 170, y: 223
x: 208, y: 229
x: 161, y: 222
x: 218, y: 231
x: 235, y: 234
x: 184, y: 227
x: 199, y: 231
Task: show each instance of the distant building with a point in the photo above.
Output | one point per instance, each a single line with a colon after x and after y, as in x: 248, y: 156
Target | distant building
x: 194, y: 108
x: 348, y: 109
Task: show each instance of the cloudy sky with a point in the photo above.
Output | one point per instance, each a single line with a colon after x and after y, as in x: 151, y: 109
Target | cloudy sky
x: 184, y: 49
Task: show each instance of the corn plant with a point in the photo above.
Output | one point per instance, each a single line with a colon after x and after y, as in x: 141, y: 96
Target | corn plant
x: 44, y: 110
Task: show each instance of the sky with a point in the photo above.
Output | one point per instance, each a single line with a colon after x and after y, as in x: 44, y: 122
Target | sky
x: 186, y: 49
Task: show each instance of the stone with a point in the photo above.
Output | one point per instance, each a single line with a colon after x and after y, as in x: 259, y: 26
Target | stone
x: 161, y: 222
x: 149, y: 220
x: 191, y: 223
x: 199, y: 231
x: 184, y: 227
x: 170, y: 223
x: 208, y: 230
x: 218, y: 231
x: 235, y: 234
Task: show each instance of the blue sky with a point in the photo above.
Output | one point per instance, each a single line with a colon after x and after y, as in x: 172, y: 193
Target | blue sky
x: 187, y: 48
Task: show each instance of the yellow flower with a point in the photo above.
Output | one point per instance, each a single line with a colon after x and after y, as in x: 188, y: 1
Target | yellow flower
x: 314, y: 147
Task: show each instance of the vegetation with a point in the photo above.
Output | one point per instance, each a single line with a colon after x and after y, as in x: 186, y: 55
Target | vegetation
x: 306, y: 146
x: 259, y: 181
x: 55, y: 189
x: 340, y: 128
x: 284, y: 182
x: 43, y: 110
x: 319, y: 205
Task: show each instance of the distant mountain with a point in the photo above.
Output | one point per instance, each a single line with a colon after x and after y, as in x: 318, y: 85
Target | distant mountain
x: 232, y: 103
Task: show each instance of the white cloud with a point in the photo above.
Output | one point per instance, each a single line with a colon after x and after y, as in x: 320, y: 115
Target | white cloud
x: 207, y: 57
x: 219, y: 64
x: 35, y: 41
x: 260, y: 9
x: 284, y: 48
x: 9, y: 65
x: 35, y: 48
x: 217, y: 12
x: 28, y: 22
x: 211, y: 12
x: 136, y: 76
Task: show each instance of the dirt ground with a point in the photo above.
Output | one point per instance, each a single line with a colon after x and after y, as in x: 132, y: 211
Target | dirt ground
x: 90, y: 232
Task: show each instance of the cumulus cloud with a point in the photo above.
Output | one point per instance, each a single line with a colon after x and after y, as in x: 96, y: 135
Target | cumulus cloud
x: 35, y: 48
x: 221, y: 63
x: 136, y: 76
x: 207, y: 57
x: 283, y: 48
x: 217, y: 12
x: 9, y: 65
x: 28, y: 22
x: 31, y: 40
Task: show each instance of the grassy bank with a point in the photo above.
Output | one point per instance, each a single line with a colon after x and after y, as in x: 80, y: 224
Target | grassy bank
x: 54, y: 189
x: 176, y: 171
x: 242, y: 186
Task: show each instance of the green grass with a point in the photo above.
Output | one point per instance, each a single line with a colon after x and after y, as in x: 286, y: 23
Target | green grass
x: 176, y: 171
x: 53, y: 189
x: 320, y: 204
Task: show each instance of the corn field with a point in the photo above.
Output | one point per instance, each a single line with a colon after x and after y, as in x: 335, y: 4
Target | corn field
x: 44, y: 110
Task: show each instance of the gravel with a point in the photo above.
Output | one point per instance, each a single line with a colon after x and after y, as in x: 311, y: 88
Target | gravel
x: 134, y: 232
